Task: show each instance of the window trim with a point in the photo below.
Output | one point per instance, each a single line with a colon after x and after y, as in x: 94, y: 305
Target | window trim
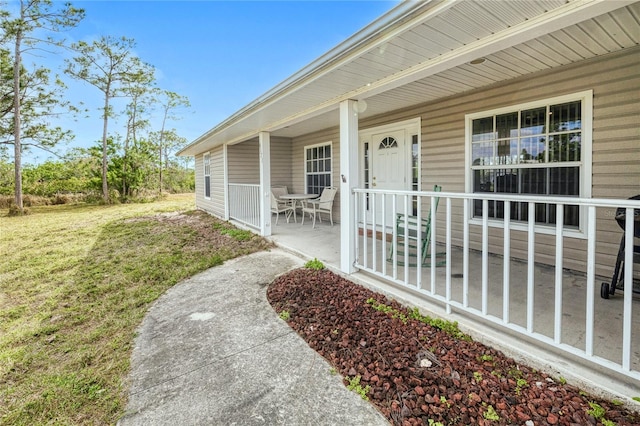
x: 205, y: 175
x: 586, y: 97
x: 304, y: 163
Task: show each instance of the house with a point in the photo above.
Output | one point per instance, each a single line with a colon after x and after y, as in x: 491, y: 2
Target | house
x: 526, y: 113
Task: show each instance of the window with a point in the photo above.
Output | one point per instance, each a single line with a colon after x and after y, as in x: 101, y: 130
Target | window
x: 207, y: 175
x: 541, y: 148
x: 317, y: 168
x: 388, y: 142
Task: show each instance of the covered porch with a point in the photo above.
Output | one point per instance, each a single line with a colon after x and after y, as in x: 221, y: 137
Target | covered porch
x: 550, y: 316
x: 535, y: 150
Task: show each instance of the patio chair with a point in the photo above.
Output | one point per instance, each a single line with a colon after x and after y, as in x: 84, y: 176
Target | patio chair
x: 280, y: 206
x: 322, y: 204
x: 407, y: 230
x: 279, y: 190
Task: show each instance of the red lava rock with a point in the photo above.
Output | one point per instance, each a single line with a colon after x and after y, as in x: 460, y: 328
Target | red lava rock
x: 522, y: 416
x: 333, y: 316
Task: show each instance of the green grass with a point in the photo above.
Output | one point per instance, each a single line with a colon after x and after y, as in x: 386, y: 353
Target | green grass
x: 75, y: 283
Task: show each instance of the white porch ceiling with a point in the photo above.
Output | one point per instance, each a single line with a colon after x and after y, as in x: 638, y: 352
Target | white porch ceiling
x: 425, y: 55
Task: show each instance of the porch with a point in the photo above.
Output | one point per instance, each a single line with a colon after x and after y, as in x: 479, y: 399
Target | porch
x: 524, y: 307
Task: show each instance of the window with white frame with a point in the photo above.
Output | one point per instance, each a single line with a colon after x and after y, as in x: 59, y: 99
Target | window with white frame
x: 541, y: 148
x: 206, y: 159
x: 317, y: 168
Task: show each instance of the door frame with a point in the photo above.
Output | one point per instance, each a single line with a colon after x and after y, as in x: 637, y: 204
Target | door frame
x: 410, y: 127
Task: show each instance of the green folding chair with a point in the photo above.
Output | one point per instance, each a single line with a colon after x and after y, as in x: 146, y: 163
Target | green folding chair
x: 407, y: 229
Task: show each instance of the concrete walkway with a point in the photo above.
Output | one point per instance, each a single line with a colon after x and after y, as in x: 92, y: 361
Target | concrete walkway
x: 212, y: 351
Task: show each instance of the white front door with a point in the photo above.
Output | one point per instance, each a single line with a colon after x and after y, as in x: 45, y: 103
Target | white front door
x: 389, y: 170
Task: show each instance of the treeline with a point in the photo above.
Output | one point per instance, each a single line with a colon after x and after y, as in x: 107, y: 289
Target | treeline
x: 133, y: 159
x: 78, y: 177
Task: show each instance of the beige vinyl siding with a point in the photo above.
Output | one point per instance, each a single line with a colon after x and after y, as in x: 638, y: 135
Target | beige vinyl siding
x: 298, y: 160
x: 615, y: 82
x: 199, y: 176
x: 244, y: 162
x: 215, y: 204
x: 281, y: 162
x: 217, y: 182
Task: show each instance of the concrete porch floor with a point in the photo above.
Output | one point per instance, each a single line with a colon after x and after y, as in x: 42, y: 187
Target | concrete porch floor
x: 323, y: 243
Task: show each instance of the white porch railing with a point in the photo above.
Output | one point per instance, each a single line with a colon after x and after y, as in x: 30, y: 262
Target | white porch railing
x: 244, y: 203
x: 555, y: 307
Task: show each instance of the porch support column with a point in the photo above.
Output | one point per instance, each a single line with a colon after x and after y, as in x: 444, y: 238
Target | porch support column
x: 348, y: 181
x: 225, y: 165
x: 265, y: 183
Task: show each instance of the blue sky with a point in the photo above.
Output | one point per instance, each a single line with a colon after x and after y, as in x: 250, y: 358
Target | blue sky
x: 220, y: 54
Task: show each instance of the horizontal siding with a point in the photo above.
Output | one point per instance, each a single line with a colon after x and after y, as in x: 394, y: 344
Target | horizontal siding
x: 199, y: 176
x: 244, y: 162
x: 217, y: 182
x: 215, y: 204
x: 615, y: 82
x: 281, y: 170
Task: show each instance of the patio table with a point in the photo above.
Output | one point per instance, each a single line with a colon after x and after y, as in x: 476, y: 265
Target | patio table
x: 295, y: 198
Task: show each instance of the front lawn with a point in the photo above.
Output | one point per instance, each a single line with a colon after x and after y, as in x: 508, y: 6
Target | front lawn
x: 75, y: 283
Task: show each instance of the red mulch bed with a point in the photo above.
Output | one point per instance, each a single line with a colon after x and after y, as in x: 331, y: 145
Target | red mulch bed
x: 468, y: 383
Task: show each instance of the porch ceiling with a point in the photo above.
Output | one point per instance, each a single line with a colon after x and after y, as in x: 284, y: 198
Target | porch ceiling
x: 420, y: 52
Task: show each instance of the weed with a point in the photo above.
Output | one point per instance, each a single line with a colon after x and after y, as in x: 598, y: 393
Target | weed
x: 515, y: 372
x: 490, y: 414
x: 448, y: 327
x: 596, y: 410
x: 314, y: 264
x: 434, y: 423
x: 354, y: 385
x: 617, y: 402
x: 477, y: 376
x: 598, y: 413
x: 443, y: 400
x: 636, y: 398
x: 562, y: 380
x: 284, y: 315
x: 486, y: 357
x: 520, y: 383
x: 333, y: 371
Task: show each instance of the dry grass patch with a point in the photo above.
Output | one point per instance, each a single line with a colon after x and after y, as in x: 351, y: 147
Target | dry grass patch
x: 75, y: 283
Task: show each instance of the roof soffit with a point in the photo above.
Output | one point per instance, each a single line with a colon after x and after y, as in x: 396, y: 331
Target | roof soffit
x: 302, y: 99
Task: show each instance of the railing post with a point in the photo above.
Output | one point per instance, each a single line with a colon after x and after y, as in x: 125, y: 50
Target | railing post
x: 628, y: 290
x: 557, y: 331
